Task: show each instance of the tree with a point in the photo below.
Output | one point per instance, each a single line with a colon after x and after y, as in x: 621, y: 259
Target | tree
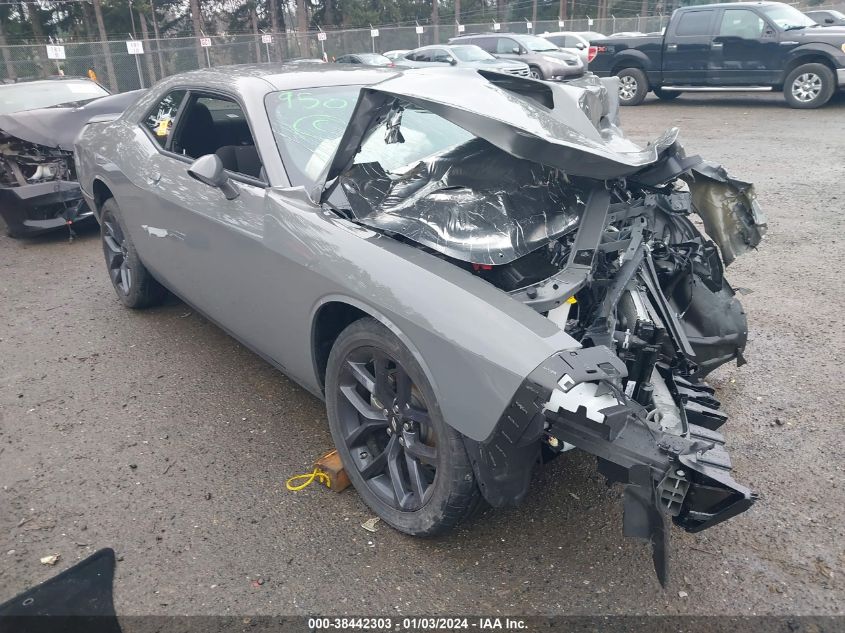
x: 104, y: 44
x: 196, y: 22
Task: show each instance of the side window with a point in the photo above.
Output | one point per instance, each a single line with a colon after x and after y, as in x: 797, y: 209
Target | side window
x: 423, y: 56
x: 440, y: 55
x: 160, y: 119
x: 741, y: 23
x: 505, y: 45
x: 694, y: 23
x: 217, y: 125
x: 486, y: 43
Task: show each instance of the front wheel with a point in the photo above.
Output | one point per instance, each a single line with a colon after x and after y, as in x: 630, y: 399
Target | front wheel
x: 133, y: 283
x: 535, y: 72
x: 633, y: 86
x: 407, y: 464
x: 809, y: 86
x: 665, y: 95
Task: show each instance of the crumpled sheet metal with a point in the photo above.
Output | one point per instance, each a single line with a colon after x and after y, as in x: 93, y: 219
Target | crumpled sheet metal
x: 729, y: 209
x: 473, y: 202
x: 578, y: 135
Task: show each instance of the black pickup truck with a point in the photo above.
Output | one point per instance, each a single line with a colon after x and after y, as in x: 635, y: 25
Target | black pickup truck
x: 736, y: 46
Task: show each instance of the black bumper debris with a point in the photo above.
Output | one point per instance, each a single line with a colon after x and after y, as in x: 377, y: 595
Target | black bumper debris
x: 41, y: 207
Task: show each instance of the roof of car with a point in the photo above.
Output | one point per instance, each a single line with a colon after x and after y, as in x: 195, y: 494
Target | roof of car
x: 730, y: 5
x: 282, y: 76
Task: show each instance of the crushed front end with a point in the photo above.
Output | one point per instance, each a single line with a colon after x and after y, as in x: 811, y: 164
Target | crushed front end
x: 644, y: 293
x: 622, y: 247
x: 38, y: 188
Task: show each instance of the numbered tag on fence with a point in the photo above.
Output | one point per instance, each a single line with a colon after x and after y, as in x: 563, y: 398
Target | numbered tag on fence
x: 496, y: 26
x: 560, y: 24
x: 461, y: 28
x: 205, y: 42
x: 55, y: 52
x: 373, y: 32
x: 135, y: 47
x: 321, y: 36
x: 420, y: 30
x: 529, y: 26
x: 266, y: 39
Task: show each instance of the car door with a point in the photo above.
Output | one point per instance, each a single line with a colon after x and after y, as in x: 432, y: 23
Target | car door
x: 746, y: 49
x: 507, y: 48
x: 686, y: 49
x: 197, y: 234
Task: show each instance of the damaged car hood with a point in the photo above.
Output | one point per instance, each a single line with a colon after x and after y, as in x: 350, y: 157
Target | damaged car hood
x: 572, y: 127
x: 58, y: 126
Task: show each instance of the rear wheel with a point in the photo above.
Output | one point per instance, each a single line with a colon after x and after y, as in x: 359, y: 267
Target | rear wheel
x: 665, y: 95
x: 133, y: 283
x: 809, y: 86
x: 407, y: 464
x: 633, y: 86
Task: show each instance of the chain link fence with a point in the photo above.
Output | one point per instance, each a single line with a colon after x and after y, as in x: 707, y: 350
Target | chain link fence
x: 120, y: 71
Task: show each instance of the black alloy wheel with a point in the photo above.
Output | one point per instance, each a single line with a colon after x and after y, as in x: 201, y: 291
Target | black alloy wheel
x: 117, y: 256
x: 387, y: 429
x: 407, y: 464
x: 133, y: 283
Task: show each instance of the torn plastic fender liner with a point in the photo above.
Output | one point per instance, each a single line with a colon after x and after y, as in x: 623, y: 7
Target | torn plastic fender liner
x: 503, y: 464
x: 728, y: 207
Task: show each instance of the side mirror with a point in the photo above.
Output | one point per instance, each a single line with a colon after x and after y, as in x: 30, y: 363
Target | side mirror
x: 453, y: 61
x: 828, y: 20
x: 208, y: 170
x: 580, y: 46
x: 516, y: 50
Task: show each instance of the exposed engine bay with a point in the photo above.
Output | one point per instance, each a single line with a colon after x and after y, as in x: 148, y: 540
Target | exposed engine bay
x: 630, y: 265
x: 38, y: 187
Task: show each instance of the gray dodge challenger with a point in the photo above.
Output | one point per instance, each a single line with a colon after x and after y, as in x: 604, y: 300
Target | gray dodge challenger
x: 477, y: 272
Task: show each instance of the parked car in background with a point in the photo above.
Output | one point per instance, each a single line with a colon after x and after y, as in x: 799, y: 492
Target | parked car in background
x: 462, y: 55
x: 38, y: 187
x: 569, y: 42
x: 627, y: 34
x: 30, y: 95
x: 365, y: 59
x: 735, y: 46
x: 484, y: 269
x: 544, y: 59
x: 827, y: 17
x: 397, y: 54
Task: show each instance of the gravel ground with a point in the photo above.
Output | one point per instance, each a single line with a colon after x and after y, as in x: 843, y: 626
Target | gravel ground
x: 156, y: 434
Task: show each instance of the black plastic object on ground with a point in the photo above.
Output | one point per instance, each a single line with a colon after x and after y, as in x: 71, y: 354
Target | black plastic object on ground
x: 78, y: 600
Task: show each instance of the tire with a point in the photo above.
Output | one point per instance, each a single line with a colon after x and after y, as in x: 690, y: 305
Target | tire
x: 633, y: 86
x: 809, y: 86
x: 535, y: 73
x: 133, y: 283
x: 666, y: 95
x: 406, y: 463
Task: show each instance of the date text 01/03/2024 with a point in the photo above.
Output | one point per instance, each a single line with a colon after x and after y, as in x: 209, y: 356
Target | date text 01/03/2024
x: 417, y: 624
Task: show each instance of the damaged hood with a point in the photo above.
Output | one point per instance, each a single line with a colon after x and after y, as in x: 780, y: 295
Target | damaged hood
x: 58, y: 126
x: 572, y: 127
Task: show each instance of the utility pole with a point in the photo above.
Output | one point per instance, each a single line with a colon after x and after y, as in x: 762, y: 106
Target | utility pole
x: 562, y: 11
x: 457, y: 11
x: 534, y: 16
